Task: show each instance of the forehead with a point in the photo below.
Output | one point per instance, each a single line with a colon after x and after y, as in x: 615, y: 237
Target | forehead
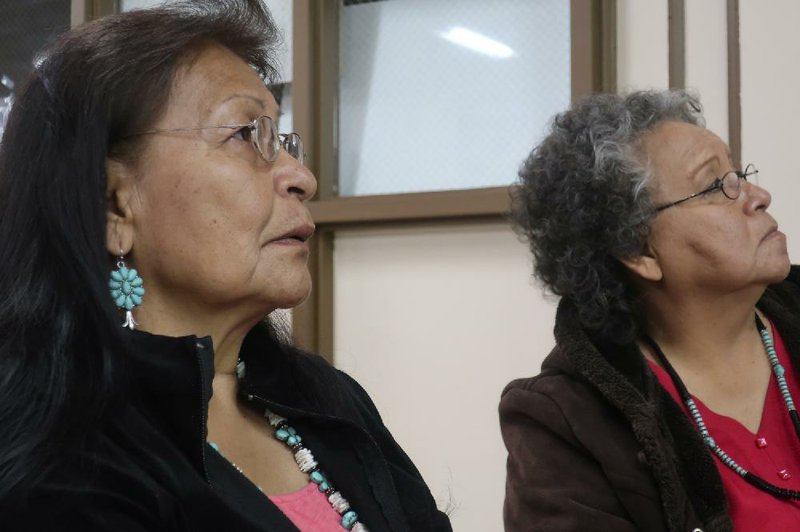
x: 215, y: 78
x: 678, y: 151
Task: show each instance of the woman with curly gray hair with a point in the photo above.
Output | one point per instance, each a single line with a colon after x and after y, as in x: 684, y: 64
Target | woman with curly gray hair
x: 667, y: 403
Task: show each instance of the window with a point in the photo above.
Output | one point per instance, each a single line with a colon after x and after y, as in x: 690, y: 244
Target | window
x: 446, y: 94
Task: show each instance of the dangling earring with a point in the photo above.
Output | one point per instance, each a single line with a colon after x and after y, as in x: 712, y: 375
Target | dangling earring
x: 126, y: 289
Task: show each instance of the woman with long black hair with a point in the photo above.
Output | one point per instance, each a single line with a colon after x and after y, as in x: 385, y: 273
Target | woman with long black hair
x: 151, y: 216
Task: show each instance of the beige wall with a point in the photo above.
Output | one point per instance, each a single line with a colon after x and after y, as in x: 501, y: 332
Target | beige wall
x: 642, y: 54
x: 707, y: 60
x: 770, y: 105
x: 434, y: 321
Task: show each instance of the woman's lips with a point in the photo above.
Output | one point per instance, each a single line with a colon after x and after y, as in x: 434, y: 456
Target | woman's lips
x: 296, y: 236
x: 773, y: 233
x: 289, y: 242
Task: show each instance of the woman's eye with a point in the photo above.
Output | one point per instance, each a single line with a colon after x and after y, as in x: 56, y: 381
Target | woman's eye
x: 245, y: 134
x: 716, y: 186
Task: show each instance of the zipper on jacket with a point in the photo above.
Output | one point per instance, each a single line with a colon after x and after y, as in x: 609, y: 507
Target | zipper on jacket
x: 203, y: 410
x: 302, y: 413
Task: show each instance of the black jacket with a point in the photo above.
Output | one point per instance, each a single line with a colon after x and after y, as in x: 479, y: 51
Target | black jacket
x: 595, y: 443
x: 149, y: 468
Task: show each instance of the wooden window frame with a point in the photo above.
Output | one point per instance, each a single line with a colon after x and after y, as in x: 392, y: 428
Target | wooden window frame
x: 734, y: 83
x: 85, y: 10
x: 315, y: 99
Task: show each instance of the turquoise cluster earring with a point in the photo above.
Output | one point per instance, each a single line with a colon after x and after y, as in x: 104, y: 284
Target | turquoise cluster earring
x: 126, y: 289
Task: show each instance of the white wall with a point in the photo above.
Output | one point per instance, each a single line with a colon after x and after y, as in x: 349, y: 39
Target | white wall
x: 434, y: 322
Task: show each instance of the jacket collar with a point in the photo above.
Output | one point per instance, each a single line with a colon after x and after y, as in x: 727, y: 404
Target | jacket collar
x: 176, y: 372
x: 292, y: 382
x: 621, y: 375
x: 272, y: 372
x: 170, y: 379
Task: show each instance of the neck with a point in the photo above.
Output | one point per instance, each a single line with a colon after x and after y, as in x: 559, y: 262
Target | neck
x: 701, y: 331
x: 226, y: 328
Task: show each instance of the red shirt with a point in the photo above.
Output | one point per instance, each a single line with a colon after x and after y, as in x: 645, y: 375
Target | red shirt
x: 773, y: 452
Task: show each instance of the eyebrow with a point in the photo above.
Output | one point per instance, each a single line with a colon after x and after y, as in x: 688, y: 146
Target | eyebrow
x: 259, y: 101
x: 711, y: 158
x: 706, y: 161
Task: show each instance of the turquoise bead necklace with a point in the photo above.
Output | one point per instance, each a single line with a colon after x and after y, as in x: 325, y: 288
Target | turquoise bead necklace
x: 778, y: 370
x: 305, y: 461
x: 307, y: 464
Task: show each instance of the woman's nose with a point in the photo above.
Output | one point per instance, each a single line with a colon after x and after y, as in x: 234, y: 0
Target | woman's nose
x: 292, y: 178
x: 757, y: 197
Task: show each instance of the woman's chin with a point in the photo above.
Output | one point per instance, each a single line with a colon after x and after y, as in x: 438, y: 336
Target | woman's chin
x: 776, y: 271
x: 784, y: 271
x: 292, y: 298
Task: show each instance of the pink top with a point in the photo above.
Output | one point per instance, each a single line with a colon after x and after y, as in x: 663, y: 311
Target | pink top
x: 309, y: 510
x: 773, y: 453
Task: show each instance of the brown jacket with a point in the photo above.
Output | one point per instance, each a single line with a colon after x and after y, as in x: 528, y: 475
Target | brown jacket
x: 594, y: 443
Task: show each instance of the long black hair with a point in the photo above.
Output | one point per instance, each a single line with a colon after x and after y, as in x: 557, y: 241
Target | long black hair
x: 60, y: 341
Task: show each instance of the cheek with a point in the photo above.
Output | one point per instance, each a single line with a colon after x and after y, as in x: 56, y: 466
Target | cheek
x: 722, y: 236
x: 723, y: 247
x: 173, y: 206
x: 206, y: 217
x: 711, y: 240
x: 205, y: 204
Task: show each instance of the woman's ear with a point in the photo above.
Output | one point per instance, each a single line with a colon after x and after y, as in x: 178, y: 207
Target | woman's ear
x: 119, y: 212
x: 645, y: 266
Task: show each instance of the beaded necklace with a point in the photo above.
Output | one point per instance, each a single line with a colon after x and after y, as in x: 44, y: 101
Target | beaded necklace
x: 778, y: 370
x: 305, y: 460
x: 307, y: 464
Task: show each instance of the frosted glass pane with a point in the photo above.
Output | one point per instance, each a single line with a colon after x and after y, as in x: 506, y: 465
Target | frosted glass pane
x: 127, y: 5
x: 447, y: 94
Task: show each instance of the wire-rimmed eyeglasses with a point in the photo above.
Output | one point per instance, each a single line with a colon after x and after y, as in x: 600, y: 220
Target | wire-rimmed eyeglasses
x: 261, y: 132
x: 730, y: 184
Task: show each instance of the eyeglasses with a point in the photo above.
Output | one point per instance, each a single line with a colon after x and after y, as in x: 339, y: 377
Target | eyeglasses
x: 730, y: 184
x: 261, y: 132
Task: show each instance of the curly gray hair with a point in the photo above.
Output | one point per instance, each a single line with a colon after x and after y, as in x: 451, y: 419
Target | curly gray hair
x: 583, y: 202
